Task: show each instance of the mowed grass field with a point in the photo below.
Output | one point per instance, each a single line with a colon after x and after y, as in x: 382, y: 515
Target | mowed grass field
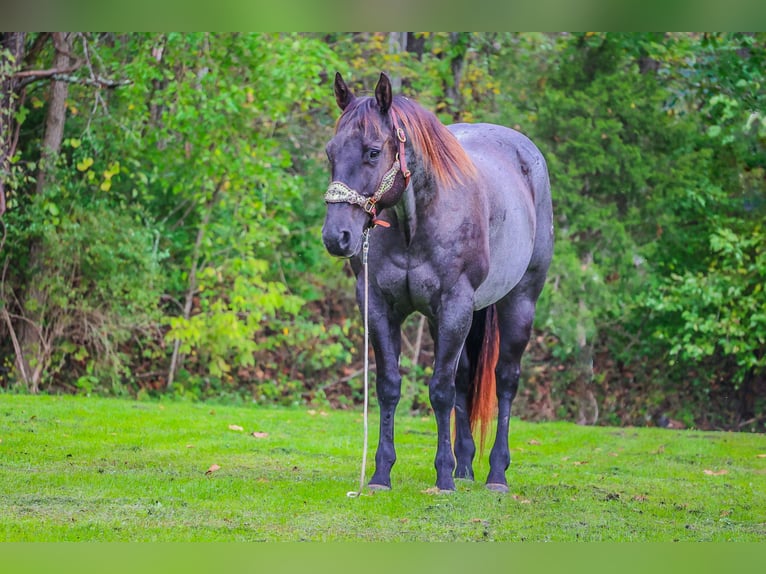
x: 94, y: 469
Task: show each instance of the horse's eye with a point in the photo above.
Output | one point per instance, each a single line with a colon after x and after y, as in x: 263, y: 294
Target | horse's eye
x: 373, y: 153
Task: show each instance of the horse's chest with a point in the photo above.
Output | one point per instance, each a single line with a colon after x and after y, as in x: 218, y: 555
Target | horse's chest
x: 409, y: 286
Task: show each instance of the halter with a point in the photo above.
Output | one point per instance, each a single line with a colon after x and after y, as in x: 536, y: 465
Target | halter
x: 339, y: 192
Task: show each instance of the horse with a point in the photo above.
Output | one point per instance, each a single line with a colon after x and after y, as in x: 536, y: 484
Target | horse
x: 459, y: 222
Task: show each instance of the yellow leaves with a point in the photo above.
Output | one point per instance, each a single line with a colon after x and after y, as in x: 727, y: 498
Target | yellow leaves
x: 84, y: 164
x: 87, y: 162
x: 254, y: 434
x: 213, y: 468
x: 721, y: 472
x: 111, y: 171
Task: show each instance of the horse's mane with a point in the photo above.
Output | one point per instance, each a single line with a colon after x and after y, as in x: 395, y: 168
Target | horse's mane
x: 440, y: 152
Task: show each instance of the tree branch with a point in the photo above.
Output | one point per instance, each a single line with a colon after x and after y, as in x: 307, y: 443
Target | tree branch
x: 46, y: 73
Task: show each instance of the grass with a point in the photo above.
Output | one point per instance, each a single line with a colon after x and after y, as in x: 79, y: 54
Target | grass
x: 77, y: 468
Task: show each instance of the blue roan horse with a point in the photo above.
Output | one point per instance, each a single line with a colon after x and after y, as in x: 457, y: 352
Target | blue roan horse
x: 462, y: 232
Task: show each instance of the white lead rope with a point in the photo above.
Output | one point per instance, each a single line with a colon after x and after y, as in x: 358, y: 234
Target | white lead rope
x: 365, y: 249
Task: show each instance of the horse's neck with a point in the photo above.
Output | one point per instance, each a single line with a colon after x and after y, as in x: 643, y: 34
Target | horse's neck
x: 406, y: 214
x: 416, y: 199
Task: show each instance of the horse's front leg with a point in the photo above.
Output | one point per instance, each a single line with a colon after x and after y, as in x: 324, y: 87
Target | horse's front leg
x: 385, y: 333
x: 453, y: 321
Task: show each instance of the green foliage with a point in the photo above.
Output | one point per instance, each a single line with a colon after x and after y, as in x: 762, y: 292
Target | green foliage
x: 97, y: 282
x: 224, y: 330
x: 719, y: 312
x: 186, y: 207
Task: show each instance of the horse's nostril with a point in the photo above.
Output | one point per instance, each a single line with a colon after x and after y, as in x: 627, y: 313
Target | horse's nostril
x: 344, y: 241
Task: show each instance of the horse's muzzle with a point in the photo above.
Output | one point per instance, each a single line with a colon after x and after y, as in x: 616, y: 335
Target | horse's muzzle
x: 343, y: 228
x: 339, y: 243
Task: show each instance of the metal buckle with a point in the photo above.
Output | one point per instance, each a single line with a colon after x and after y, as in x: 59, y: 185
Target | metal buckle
x: 400, y: 134
x: 369, y: 206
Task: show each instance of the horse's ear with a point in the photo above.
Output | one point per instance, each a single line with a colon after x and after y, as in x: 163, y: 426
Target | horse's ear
x: 343, y: 94
x: 383, y: 94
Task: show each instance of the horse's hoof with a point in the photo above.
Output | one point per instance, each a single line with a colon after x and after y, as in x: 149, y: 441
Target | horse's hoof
x: 378, y: 487
x: 497, y: 487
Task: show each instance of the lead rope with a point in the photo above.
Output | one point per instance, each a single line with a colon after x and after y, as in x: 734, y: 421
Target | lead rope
x: 365, y: 249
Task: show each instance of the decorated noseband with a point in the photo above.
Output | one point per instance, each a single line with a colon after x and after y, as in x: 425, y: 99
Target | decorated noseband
x: 339, y: 192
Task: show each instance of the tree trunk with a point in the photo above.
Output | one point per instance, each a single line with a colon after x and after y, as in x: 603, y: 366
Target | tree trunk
x: 11, y: 54
x: 34, y: 351
x: 460, y: 42
x: 397, y: 43
x: 177, y: 359
x: 54, y: 121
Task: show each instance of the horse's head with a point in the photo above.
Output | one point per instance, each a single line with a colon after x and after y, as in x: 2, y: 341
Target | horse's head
x: 367, y: 171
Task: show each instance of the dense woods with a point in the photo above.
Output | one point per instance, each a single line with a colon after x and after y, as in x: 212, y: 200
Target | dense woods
x: 161, y: 200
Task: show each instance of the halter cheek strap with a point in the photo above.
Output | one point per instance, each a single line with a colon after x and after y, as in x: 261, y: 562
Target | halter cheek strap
x: 339, y: 192
x: 402, y: 140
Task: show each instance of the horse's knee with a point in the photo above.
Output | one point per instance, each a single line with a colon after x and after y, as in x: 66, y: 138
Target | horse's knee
x: 441, y: 394
x: 389, y: 390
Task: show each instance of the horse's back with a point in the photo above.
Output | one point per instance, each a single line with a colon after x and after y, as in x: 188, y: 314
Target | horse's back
x: 514, y: 176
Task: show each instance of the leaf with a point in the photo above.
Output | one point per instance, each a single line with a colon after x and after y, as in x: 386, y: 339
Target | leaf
x: 212, y: 469
x: 761, y: 455
x: 534, y: 442
x: 235, y: 428
x: 715, y: 472
x: 258, y: 434
x: 85, y: 164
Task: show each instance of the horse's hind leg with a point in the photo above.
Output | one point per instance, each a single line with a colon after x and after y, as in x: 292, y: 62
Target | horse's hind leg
x: 516, y: 313
x: 465, y: 447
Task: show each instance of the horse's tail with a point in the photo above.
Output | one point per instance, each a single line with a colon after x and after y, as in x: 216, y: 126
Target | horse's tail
x: 483, y: 356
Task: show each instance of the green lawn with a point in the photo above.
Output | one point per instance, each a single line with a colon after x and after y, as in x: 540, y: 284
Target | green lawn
x: 76, y: 468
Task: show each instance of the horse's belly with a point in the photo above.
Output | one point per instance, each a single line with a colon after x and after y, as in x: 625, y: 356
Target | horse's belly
x: 511, y: 242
